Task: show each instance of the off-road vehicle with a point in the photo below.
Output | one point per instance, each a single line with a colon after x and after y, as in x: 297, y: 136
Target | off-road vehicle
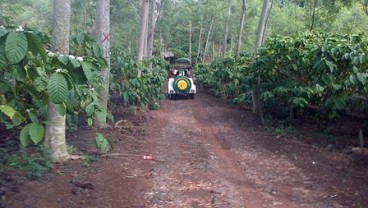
x: 180, y: 79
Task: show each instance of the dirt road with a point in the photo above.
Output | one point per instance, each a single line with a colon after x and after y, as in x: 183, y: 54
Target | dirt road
x: 206, y: 154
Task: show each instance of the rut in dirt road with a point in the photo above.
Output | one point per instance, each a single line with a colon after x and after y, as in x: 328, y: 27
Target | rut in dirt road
x: 206, y: 159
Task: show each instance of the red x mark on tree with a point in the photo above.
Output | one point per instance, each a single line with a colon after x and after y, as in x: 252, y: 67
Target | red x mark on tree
x: 106, y: 37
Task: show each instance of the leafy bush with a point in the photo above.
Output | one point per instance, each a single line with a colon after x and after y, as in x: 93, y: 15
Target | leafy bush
x: 34, y: 162
x: 323, y: 70
x: 144, y: 91
x: 327, y: 71
x: 31, y: 76
x: 226, y: 77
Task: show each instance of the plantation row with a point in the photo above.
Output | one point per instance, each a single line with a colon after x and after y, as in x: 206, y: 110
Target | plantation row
x: 324, y: 71
x: 31, y: 76
x: 327, y: 72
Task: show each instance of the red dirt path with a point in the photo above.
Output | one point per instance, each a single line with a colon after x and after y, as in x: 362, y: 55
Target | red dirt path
x: 206, y: 154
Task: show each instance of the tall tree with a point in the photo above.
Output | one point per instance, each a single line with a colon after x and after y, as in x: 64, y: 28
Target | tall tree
x: 55, y: 129
x: 207, y: 41
x: 224, y: 49
x: 152, y: 27
x: 142, y: 33
x: 103, y: 38
x: 262, y: 24
x: 267, y: 18
x: 190, y: 41
x: 241, y: 27
x: 313, y: 18
x: 200, y: 39
x: 257, y: 104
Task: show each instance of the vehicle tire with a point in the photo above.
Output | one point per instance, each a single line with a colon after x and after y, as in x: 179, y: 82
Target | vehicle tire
x: 191, y: 96
x: 182, y: 84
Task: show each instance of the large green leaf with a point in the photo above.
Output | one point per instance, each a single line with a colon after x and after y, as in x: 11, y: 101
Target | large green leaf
x: 57, y: 88
x: 80, y: 38
x: 24, y: 136
x: 32, y: 116
x: 331, y: 65
x: 7, y: 110
x: 17, y: 119
x: 90, y: 109
x: 3, y: 59
x: 37, y: 132
x: 15, y: 47
x: 362, y: 77
x: 75, y: 63
x: 87, y: 70
x: 35, y: 45
x: 97, y: 52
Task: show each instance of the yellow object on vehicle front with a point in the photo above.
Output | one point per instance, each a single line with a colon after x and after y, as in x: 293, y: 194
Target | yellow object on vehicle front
x: 182, y: 85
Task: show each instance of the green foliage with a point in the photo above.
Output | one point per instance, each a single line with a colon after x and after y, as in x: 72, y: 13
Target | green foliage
x: 313, y: 69
x: 31, y: 133
x: 16, y: 46
x: 89, y: 159
x: 102, y: 143
x: 287, y: 17
x: 283, y: 131
x: 71, y: 149
x: 34, y: 162
x: 57, y: 88
x: 7, y: 110
x: 226, y: 77
x: 144, y: 91
x: 327, y: 71
x: 36, y: 132
x: 31, y: 76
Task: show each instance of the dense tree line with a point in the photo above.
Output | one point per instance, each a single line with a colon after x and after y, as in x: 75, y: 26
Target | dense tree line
x: 214, y: 24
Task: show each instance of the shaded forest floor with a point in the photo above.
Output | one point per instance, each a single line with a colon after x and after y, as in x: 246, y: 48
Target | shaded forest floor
x: 205, y: 154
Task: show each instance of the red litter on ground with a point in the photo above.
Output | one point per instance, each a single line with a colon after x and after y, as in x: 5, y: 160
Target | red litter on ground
x: 147, y: 157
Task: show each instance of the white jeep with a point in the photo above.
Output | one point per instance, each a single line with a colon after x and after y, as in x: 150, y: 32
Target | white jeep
x: 180, y: 80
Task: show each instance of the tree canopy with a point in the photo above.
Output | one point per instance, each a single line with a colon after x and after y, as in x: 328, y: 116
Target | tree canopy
x: 174, y: 17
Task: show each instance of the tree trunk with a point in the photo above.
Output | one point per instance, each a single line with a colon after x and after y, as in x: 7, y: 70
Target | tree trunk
x: 241, y: 27
x: 161, y: 46
x: 218, y: 50
x: 55, y: 128
x: 152, y: 27
x: 199, y: 44
x: 207, y: 41
x: 130, y: 39
x: 103, y: 38
x: 224, y: 49
x: 262, y: 24
x: 200, y: 40
x: 142, y: 33
x: 213, y: 50
x: 257, y: 104
x: 190, y: 41
x: 231, y: 50
x: 267, y: 18
x: 313, y: 15
x: 145, y: 44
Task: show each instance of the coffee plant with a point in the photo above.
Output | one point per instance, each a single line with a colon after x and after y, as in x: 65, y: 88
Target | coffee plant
x: 326, y: 71
x: 31, y: 76
x: 142, y: 92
